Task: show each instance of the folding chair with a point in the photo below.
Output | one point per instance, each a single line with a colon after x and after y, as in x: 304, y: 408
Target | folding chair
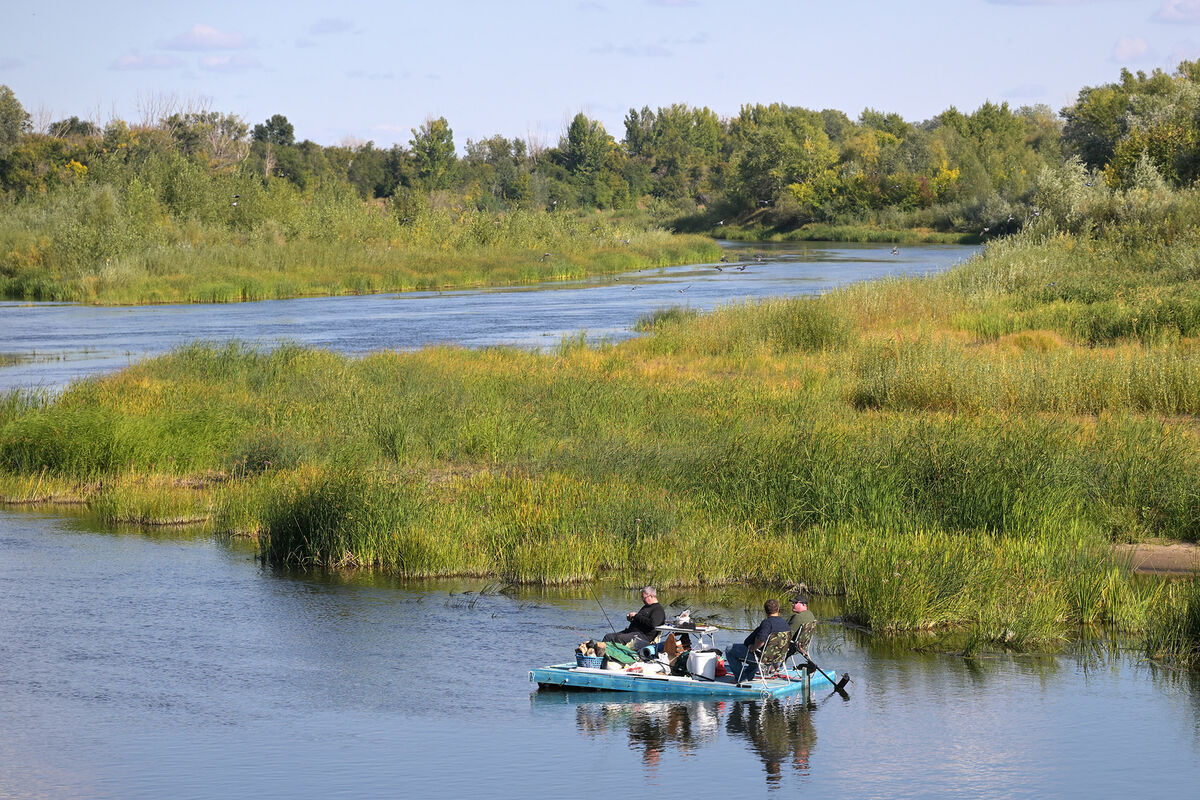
x: 798, y: 644
x: 771, y: 659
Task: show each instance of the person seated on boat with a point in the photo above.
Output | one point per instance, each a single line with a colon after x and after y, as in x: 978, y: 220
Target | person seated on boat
x: 802, y: 623
x: 738, y: 655
x: 642, y: 623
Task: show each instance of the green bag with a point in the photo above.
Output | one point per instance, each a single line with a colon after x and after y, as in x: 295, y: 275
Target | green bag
x: 620, y: 653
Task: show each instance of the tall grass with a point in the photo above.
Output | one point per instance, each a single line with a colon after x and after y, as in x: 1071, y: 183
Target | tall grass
x: 122, y: 241
x: 1174, y: 634
x: 870, y: 443
x: 858, y: 232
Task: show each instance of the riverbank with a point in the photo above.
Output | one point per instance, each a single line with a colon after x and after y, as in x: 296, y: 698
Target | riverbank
x: 114, y: 244
x: 1150, y: 558
x: 822, y: 232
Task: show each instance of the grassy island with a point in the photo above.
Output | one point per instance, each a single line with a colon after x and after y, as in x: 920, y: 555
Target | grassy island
x: 120, y: 245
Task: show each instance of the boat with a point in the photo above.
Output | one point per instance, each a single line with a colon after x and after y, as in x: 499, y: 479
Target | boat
x: 572, y: 676
x: 649, y: 678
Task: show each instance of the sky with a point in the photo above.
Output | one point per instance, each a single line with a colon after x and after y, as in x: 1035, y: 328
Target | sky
x: 358, y: 70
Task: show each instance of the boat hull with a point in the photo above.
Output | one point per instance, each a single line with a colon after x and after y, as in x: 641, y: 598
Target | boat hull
x: 569, y: 676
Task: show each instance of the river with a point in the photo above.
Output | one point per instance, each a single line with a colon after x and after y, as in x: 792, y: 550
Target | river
x: 149, y: 664
x: 152, y: 665
x: 50, y: 344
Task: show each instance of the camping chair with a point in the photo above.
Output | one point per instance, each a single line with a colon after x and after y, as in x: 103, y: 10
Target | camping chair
x: 801, y: 640
x: 771, y: 659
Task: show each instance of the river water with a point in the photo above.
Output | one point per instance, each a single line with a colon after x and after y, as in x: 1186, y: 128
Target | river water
x: 140, y: 664
x: 51, y: 344
x: 166, y: 665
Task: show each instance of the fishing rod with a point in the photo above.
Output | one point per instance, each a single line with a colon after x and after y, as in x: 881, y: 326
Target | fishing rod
x: 602, y: 611
x: 838, y: 686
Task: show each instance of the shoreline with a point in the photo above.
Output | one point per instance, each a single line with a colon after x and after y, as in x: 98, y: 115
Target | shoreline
x: 1155, y: 558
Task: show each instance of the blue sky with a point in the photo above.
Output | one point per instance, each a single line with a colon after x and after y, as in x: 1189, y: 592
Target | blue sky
x: 374, y: 70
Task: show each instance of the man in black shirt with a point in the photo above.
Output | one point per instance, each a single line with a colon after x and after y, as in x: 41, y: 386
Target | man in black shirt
x: 738, y: 654
x: 642, y: 623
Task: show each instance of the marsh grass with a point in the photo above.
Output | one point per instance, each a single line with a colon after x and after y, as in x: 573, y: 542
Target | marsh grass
x: 41, y: 488
x: 120, y: 243
x: 828, y: 232
x: 868, y: 443
x: 1173, y: 637
x: 152, y: 500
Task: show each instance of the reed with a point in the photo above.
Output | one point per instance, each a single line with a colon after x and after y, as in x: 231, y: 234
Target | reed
x: 1173, y: 637
x: 119, y: 243
x: 828, y: 232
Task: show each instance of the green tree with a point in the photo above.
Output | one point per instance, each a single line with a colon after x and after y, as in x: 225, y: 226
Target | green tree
x: 777, y: 146
x: 73, y: 126
x: 276, y: 130
x: 586, y: 147
x: 433, y: 154
x: 13, y: 120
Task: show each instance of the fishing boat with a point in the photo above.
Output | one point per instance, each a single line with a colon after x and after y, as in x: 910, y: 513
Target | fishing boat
x: 649, y: 677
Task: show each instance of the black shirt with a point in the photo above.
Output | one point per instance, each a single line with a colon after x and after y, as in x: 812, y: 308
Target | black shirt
x: 648, y: 617
x: 765, y: 628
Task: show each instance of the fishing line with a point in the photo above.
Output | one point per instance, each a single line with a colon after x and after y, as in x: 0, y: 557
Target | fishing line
x: 602, y: 611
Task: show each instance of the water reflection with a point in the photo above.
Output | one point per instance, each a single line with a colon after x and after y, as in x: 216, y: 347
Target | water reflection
x: 781, y: 733
x: 778, y: 733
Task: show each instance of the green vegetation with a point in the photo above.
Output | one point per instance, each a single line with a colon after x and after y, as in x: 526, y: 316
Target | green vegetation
x: 196, y: 205
x: 952, y: 452
x: 101, y: 244
x: 1174, y: 634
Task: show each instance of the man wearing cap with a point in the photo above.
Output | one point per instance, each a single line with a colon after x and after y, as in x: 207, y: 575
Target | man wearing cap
x: 802, y: 623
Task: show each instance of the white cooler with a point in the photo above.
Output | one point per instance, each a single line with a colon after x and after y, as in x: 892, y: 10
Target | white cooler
x: 703, y: 664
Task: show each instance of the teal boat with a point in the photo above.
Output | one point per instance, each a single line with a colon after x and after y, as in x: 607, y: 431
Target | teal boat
x: 572, y: 676
x: 653, y: 677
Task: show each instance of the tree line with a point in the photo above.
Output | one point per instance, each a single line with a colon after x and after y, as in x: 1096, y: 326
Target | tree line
x: 774, y: 165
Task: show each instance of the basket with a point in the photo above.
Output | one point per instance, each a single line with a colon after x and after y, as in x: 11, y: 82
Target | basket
x: 595, y: 662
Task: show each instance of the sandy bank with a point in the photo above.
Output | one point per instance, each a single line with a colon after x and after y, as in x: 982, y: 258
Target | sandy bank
x: 1179, y: 558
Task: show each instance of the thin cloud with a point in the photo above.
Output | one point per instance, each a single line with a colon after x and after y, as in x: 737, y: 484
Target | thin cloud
x: 1130, y: 48
x: 205, y: 37
x: 1183, y: 51
x: 1027, y: 91
x: 230, y: 64
x: 1180, y: 12
x: 633, y: 50
x: 1046, y: 2
x: 136, y: 61
x: 1053, y: 2
x: 360, y: 74
x: 11, y: 63
x: 673, y: 3
x: 696, y: 38
x: 330, y: 25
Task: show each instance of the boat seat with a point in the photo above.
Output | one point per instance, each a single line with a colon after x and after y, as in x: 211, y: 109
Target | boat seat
x: 798, y: 644
x: 772, y: 658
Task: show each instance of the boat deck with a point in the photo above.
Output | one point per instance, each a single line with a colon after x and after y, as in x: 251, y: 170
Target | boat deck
x: 570, y: 676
